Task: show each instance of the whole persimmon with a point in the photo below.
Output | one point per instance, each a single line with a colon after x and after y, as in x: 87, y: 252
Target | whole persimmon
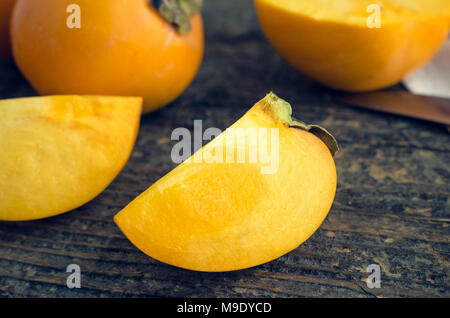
x: 109, y: 47
x: 6, y: 7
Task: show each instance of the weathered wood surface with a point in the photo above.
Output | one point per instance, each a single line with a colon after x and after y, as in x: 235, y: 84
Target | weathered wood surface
x: 392, y: 205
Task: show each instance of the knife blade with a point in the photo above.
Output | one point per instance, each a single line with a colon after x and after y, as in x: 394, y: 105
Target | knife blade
x: 434, y: 109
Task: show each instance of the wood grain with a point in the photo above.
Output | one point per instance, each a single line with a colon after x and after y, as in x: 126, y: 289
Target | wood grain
x: 392, y: 206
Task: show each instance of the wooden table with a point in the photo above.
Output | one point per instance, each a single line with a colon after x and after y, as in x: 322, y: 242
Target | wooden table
x: 392, y: 205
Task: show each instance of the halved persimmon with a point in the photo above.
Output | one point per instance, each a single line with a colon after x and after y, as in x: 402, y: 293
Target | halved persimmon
x: 355, y: 45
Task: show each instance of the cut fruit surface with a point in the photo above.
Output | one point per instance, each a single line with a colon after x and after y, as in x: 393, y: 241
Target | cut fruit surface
x: 356, y: 11
x: 60, y: 152
x: 337, y: 42
x: 223, y: 214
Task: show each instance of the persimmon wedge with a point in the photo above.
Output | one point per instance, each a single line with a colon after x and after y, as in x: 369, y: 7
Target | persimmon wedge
x: 223, y: 215
x: 340, y: 43
x: 59, y: 152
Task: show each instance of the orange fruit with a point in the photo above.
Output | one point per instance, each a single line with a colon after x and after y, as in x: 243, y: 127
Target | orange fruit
x: 6, y: 7
x: 59, y: 152
x: 337, y: 43
x: 122, y: 48
x: 221, y: 214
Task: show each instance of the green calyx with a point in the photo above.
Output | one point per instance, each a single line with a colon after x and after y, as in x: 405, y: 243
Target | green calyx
x: 283, y: 111
x: 178, y: 12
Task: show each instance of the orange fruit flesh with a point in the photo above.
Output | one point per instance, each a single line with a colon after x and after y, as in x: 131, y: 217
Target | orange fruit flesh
x: 226, y: 216
x: 330, y: 41
x: 355, y: 12
x: 60, y: 152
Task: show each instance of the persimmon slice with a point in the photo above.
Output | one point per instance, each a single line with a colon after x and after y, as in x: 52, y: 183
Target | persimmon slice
x: 222, y: 215
x: 60, y: 152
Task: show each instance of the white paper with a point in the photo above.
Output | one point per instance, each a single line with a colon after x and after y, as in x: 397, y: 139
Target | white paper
x: 434, y: 78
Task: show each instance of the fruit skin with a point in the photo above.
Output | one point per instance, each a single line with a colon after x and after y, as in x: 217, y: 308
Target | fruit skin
x: 6, y: 7
x: 123, y: 48
x: 228, y: 216
x: 60, y: 152
x: 348, y: 55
